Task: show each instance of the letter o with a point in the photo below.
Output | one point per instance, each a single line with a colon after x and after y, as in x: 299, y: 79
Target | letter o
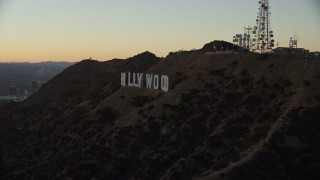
x: 156, y: 81
x: 164, y: 83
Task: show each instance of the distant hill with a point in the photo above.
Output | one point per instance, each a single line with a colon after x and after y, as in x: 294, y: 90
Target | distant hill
x: 220, y: 46
x: 21, y: 75
x: 225, y: 116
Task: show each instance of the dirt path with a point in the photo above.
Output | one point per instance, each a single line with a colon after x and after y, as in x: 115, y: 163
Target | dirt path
x: 274, y: 128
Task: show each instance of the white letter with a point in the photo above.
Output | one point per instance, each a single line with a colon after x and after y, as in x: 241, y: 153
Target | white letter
x: 134, y: 80
x: 123, y: 79
x: 149, y: 80
x: 156, y: 81
x: 129, y: 79
x: 139, y: 79
x: 164, y: 83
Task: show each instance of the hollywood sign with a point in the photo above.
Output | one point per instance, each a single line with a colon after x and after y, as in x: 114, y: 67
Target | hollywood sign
x: 150, y: 81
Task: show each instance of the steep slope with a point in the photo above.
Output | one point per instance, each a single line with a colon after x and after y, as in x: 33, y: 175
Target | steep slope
x: 224, y: 117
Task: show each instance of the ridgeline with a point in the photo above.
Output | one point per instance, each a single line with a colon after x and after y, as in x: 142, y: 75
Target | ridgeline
x: 225, y: 116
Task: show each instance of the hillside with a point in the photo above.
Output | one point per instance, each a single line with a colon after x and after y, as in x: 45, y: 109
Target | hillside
x: 225, y: 116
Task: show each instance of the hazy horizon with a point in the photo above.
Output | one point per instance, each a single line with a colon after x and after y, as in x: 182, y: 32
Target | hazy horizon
x: 35, y: 30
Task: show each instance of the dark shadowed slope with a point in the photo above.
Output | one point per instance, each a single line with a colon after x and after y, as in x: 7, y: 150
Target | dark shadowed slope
x: 224, y: 117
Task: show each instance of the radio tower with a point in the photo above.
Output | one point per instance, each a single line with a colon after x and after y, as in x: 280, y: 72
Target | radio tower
x: 263, y: 35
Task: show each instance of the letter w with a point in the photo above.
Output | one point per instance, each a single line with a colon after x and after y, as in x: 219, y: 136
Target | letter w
x: 149, y: 78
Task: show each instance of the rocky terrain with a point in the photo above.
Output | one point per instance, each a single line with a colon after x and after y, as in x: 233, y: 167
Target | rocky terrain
x: 225, y: 116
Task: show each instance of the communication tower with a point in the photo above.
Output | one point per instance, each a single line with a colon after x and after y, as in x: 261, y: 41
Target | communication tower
x: 238, y: 40
x: 263, y: 35
x: 247, y: 37
x: 244, y: 40
x: 293, y: 42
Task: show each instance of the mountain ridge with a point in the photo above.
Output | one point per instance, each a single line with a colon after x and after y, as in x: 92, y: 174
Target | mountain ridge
x: 219, y: 108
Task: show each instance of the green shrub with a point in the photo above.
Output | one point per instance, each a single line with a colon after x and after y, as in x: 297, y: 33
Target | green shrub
x: 258, y: 134
x: 252, y: 100
x: 139, y: 101
x: 107, y: 114
x: 306, y: 83
x: 244, y: 72
x: 244, y: 81
x: 271, y: 65
x: 217, y: 72
x: 166, y: 105
x: 287, y: 82
x: 187, y: 98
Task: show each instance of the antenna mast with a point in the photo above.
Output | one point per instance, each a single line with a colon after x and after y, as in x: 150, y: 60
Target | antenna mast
x: 293, y: 43
x: 263, y: 35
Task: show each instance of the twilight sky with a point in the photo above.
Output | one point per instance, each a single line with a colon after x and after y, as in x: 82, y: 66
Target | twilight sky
x: 72, y: 30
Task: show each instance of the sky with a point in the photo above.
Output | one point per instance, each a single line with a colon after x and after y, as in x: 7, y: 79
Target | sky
x: 72, y: 30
